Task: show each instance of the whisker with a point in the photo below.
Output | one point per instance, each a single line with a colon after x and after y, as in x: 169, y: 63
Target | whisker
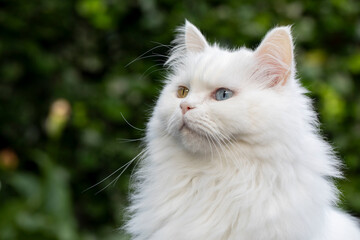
x: 171, y: 121
x: 154, y: 55
x: 161, y: 57
x: 135, y: 167
x: 105, y: 178
x: 226, y: 143
x: 130, y: 124
x: 124, y: 167
x: 220, y: 139
x: 139, y: 57
x: 126, y: 140
x: 231, y: 139
x: 137, y: 158
x: 211, y: 149
x: 144, y: 75
x: 210, y: 137
x: 117, y: 178
x: 163, y: 45
x: 217, y: 139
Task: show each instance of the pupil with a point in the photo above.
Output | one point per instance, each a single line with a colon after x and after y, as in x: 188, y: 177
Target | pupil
x: 224, y: 94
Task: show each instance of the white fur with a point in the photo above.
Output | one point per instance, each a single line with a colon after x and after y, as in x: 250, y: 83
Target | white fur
x: 252, y: 167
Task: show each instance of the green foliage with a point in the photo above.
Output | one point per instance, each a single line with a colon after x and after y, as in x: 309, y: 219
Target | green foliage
x: 65, y: 85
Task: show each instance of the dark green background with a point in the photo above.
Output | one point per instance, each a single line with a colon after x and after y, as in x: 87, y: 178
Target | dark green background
x: 77, y: 50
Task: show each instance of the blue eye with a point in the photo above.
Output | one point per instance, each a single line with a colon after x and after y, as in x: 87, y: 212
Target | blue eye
x: 223, y: 94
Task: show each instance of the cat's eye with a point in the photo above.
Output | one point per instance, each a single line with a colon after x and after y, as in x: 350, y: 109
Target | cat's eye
x: 182, y: 91
x: 223, y: 94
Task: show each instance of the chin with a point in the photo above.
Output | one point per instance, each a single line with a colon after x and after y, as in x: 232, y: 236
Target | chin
x: 193, y: 141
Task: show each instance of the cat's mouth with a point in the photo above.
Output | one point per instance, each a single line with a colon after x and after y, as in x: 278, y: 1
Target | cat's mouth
x: 192, y: 139
x: 188, y: 130
x: 195, y: 137
x: 185, y: 127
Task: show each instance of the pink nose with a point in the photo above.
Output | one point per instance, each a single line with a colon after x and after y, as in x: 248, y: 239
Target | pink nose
x: 185, y: 107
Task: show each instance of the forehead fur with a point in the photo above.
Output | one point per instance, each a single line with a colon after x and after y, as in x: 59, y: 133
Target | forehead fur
x: 214, y: 67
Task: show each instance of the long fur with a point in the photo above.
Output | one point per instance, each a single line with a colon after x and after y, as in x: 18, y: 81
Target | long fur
x: 252, y: 167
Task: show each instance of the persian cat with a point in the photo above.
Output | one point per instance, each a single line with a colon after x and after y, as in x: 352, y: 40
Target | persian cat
x: 233, y: 150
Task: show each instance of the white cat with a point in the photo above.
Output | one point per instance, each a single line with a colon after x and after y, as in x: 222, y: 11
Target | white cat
x: 234, y: 152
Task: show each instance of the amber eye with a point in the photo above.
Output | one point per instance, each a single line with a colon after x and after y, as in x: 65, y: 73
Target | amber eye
x: 182, y: 91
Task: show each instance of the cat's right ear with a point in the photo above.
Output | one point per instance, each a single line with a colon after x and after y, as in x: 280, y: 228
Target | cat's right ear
x: 194, y: 41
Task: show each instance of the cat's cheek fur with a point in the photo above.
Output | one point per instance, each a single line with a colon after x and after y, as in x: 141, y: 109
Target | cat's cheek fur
x: 247, y: 117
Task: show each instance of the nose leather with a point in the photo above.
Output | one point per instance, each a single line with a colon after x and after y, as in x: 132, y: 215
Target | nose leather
x: 185, y: 107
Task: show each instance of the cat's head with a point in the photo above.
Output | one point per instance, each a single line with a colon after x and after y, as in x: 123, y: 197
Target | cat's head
x: 215, y: 95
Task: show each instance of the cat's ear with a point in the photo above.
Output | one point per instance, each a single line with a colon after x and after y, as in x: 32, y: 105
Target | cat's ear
x: 194, y: 40
x: 275, y: 57
x: 188, y: 40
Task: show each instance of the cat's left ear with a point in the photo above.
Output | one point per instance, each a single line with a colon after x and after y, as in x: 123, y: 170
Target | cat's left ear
x: 194, y: 40
x: 275, y: 57
x: 188, y: 40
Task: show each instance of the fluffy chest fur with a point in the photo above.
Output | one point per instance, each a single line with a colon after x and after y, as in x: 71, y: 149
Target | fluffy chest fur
x: 185, y: 197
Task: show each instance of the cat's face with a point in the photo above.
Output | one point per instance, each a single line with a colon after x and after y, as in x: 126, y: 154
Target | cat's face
x: 217, y: 96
